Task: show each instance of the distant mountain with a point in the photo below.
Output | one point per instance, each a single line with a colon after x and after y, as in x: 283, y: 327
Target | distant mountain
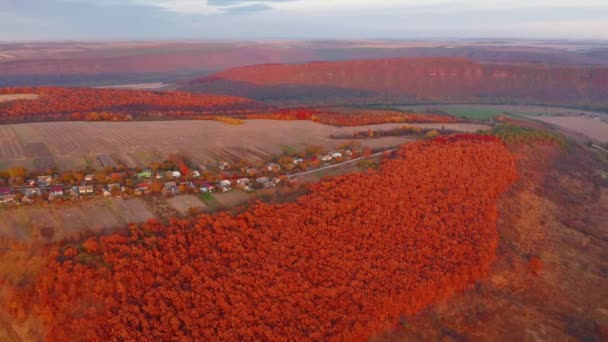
x: 412, y: 80
x: 110, y: 63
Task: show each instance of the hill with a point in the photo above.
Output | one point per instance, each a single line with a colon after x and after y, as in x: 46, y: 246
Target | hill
x: 412, y: 80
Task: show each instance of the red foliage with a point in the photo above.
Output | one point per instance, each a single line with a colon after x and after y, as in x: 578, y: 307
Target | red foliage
x: 78, y: 101
x: 351, y: 118
x: 535, y: 265
x: 339, y: 264
x: 428, y: 78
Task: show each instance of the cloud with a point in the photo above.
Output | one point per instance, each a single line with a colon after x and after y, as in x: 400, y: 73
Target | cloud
x: 301, y: 19
x: 247, y: 9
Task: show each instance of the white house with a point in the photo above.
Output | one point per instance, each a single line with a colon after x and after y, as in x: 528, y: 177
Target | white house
x: 325, y: 158
x: 336, y: 155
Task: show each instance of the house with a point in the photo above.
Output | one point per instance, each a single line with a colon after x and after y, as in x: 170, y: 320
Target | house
x: 202, y: 168
x: 222, y: 188
x: 31, y: 182
x: 252, y: 171
x: 145, y: 174
x: 86, y: 190
x: 325, y: 158
x: 106, y: 193
x: 170, y: 185
x: 176, y: 174
x: 196, y: 174
x: 243, y: 183
x: 206, y: 187
x: 8, y: 198
x: 6, y: 195
x: 45, y: 180
x: 56, y: 191
x: 336, y: 155
x: 159, y: 175
x: 225, y: 183
x: 142, y: 186
x: 348, y: 153
x: 262, y: 180
x: 298, y: 161
x: 89, y: 178
x: 113, y: 186
x: 274, y: 168
x: 30, y: 192
x: 222, y: 165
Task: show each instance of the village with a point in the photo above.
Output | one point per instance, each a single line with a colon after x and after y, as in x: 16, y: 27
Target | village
x: 172, y: 177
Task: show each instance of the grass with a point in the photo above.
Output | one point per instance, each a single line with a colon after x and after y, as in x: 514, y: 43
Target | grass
x: 517, y: 134
x: 210, y: 201
x: 288, y: 150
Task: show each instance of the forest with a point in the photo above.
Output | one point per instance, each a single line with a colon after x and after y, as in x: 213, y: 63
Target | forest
x: 398, y: 80
x: 342, y: 262
x: 78, y: 103
x: 354, y: 117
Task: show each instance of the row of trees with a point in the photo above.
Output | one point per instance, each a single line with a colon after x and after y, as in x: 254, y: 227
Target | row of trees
x: 341, y: 262
x: 83, y: 102
x: 351, y: 117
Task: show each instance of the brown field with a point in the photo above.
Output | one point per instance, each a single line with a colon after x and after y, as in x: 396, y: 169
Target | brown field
x: 592, y: 127
x: 184, y: 202
x: 66, y: 221
x: 13, y: 97
x: 233, y: 198
x: 77, y: 144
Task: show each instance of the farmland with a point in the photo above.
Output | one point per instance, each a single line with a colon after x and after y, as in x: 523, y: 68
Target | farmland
x: 486, y: 111
x: 61, y: 222
x: 78, y: 144
x: 591, y: 127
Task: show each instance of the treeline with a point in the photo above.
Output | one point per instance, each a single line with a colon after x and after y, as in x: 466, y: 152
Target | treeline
x: 350, y: 118
x: 342, y: 262
x: 57, y: 102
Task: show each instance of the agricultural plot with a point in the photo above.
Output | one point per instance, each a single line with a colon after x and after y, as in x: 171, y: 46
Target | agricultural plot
x: 78, y: 144
x: 183, y: 203
x: 591, y: 127
x: 486, y: 111
x: 67, y: 221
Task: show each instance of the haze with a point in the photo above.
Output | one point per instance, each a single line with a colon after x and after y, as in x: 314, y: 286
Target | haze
x: 299, y: 19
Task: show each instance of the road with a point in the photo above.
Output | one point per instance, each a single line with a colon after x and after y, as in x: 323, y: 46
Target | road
x: 340, y: 164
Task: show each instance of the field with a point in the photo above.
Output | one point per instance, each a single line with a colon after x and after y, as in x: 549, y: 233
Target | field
x: 61, y: 222
x: 76, y: 144
x: 484, y: 112
x: 13, y: 97
x: 183, y: 203
x: 591, y: 127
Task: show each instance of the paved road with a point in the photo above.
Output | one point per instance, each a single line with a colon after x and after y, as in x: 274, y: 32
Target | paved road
x: 340, y: 164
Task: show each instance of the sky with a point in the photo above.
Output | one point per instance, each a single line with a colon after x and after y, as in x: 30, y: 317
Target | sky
x: 301, y: 19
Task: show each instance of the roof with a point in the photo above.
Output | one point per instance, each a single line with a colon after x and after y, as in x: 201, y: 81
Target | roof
x: 56, y: 188
x: 4, y: 191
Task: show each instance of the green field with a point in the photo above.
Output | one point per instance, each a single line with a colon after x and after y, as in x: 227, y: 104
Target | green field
x: 487, y: 111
